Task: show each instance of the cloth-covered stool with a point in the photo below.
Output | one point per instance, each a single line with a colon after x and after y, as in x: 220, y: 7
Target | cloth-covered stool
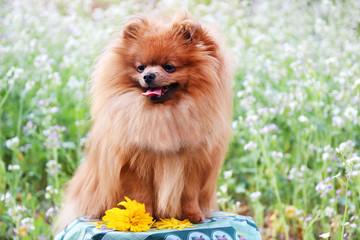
x: 221, y: 226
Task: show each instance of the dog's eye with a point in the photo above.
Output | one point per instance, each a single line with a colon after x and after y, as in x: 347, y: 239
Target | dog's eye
x: 169, y: 68
x: 141, y: 68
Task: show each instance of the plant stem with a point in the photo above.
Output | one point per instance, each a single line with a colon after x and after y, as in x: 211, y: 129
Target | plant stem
x: 346, y: 202
x: 274, y: 184
x: 3, y: 100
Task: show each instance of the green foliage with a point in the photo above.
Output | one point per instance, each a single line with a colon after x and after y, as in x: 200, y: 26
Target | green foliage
x: 293, y: 163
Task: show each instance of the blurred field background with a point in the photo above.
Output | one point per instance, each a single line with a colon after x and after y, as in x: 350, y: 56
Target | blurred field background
x: 293, y: 164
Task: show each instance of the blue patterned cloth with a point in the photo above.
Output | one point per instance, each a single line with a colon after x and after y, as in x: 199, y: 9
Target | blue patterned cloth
x: 221, y: 226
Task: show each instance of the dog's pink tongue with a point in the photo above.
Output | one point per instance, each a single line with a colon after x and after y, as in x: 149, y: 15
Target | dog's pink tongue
x: 152, y: 92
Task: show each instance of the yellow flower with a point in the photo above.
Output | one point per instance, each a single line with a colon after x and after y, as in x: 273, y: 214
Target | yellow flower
x: 133, y: 218
x: 22, y: 231
x: 98, y: 224
x: 290, y: 211
x: 173, y: 223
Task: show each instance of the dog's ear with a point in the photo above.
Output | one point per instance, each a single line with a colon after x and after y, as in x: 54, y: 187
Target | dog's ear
x: 188, y: 30
x: 192, y: 33
x: 134, y: 28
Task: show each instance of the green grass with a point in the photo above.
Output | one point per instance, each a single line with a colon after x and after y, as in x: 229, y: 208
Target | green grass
x: 293, y: 164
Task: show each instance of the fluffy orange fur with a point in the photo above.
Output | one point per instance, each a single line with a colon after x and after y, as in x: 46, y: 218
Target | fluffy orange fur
x: 166, y: 154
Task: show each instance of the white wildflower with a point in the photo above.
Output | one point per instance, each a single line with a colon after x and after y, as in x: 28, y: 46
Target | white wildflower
x: 356, y: 83
x: 26, y: 225
x: 228, y: 174
x: 275, y: 154
x: 53, y: 167
x: 16, y: 212
x: 51, y: 212
x: 298, y: 174
x: 29, y: 85
x: 14, y: 167
x: 329, y: 212
x: 325, y: 156
x: 12, y: 143
x: 351, y: 114
x: 50, y: 191
x: 222, y: 200
x: 55, y: 79
x: 251, y: 118
x: 29, y: 222
x: 6, y: 198
x: 303, y: 119
x: 352, y: 160
x: 345, y: 147
x: 337, y: 121
x: 234, y: 124
x: 325, y: 235
x: 14, y: 74
x: 255, y: 195
x: 74, y: 83
x: 223, y: 188
x: 250, y: 146
x: 268, y: 128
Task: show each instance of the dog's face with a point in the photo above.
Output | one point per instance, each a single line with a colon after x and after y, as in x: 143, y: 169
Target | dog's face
x: 165, y: 61
x: 160, y: 81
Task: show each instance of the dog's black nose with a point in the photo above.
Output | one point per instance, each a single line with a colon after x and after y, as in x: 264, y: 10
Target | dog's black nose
x: 149, y: 77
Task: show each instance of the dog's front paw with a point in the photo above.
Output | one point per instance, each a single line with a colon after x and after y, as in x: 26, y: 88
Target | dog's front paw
x: 195, y: 217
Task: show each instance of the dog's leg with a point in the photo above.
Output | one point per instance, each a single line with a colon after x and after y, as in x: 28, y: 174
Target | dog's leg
x: 190, y: 196
x: 207, y: 196
x: 190, y: 207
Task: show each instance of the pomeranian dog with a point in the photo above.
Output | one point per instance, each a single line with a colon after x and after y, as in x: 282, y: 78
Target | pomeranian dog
x: 161, y: 110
